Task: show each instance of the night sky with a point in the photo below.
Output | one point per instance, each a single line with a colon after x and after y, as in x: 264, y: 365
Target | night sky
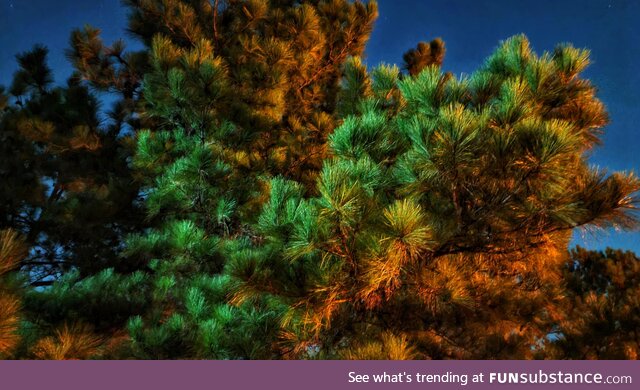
x: 471, y: 30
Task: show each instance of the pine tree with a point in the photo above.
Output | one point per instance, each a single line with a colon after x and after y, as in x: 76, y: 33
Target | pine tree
x: 239, y: 91
x: 21, y: 182
x: 68, y: 189
x: 442, y: 221
x: 66, y: 183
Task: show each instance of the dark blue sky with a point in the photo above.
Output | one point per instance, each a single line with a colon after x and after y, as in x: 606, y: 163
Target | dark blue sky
x: 471, y: 30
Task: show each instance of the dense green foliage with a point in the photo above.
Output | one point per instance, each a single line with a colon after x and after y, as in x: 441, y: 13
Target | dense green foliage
x: 257, y: 193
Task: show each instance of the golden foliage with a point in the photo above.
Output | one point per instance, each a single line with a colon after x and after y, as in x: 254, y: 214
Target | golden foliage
x: 71, y: 342
x: 389, y: 347
x: 9, y: 322
x: 12, y: 251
